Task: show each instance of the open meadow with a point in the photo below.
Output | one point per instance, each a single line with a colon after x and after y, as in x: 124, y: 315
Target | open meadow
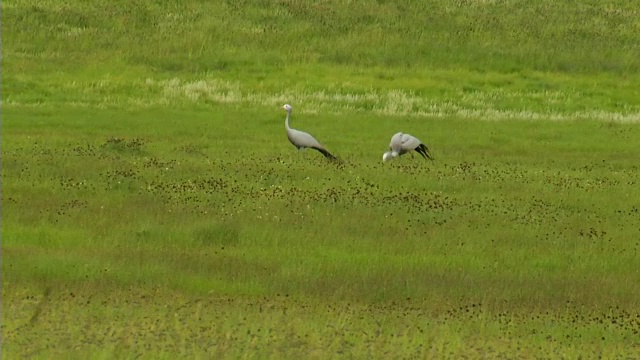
x: 152, y: 206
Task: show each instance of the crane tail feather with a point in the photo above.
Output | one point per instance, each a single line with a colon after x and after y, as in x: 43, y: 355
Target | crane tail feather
x: 326, y: 153
x: 424, y: 151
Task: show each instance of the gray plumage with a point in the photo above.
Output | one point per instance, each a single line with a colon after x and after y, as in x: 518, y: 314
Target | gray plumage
x: 403, y: 143
x: 302, y: 140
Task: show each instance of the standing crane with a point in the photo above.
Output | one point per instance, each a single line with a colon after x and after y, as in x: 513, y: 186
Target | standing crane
x: 303, y: 140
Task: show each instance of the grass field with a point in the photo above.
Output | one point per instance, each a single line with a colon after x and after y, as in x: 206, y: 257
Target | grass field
x: 152, y: 206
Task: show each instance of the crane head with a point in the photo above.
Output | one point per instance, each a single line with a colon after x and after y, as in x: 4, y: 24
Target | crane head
x: 287, y: 107
x: 389, y: 155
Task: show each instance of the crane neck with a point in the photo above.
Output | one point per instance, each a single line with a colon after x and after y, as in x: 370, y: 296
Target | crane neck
x: 286, y: 120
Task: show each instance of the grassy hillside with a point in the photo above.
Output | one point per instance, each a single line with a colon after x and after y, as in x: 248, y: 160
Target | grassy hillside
x: 478, y: 59
x: 152, y: 206
x: 254, y: 37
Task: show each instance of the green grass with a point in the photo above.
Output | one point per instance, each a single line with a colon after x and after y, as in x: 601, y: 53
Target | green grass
x: 253, y: 37
x: 152, y: 206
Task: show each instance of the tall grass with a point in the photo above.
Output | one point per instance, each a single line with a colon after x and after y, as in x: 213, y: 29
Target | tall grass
x: 245, y: 37
x: 479, y: 59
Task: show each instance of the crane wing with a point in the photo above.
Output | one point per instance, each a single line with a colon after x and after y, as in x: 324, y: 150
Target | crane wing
x: 396, y: 142
x: 303, y: 139
x: 409, y: 142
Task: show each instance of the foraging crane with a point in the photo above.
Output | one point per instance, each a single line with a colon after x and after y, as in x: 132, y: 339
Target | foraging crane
x: 301, y: 139
x: 402, y: 144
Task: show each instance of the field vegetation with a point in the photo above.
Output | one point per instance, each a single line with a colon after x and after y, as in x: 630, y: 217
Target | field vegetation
x: 152, y: 206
